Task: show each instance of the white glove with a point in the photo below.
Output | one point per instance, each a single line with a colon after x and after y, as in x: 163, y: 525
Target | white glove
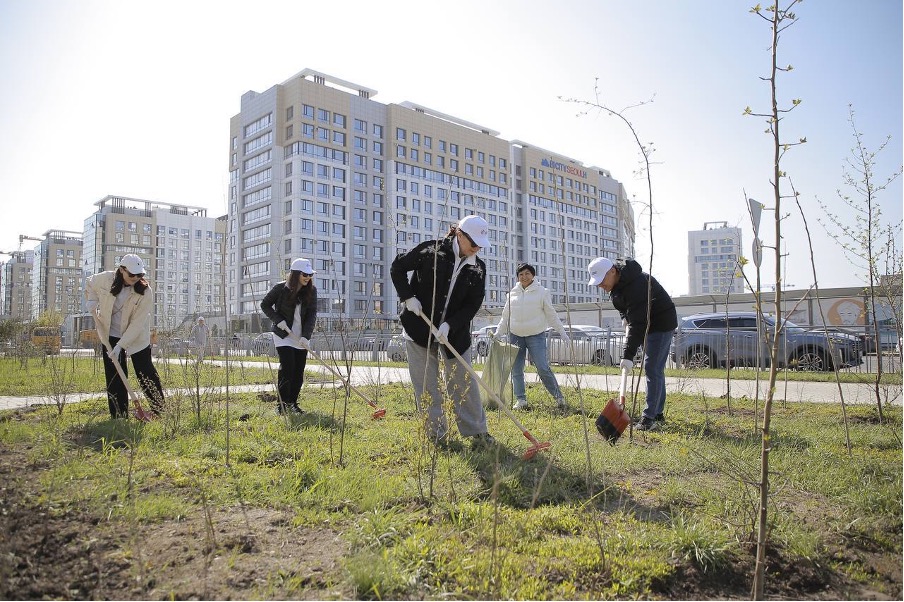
x: 413, y: 305
x: 443, y: 332
x: 114, y: 353
x: 304, y: 342
x: 283, y: 325
x: 626, y: 364
x: 565, y: 338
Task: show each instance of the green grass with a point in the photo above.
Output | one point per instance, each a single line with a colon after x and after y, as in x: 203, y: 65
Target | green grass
x: 487, y: 524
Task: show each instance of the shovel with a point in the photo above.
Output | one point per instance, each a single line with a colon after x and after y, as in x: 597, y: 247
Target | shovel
x: 613, y: 420
x: 536, y: 446
x: 139, y: 412
x: 378, y: 412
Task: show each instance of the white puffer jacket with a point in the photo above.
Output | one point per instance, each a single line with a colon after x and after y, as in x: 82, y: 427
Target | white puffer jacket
x: 528, y: 311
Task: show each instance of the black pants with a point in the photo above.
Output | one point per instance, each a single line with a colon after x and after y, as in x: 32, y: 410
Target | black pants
x: 291, y: 374
x: 117, y: 395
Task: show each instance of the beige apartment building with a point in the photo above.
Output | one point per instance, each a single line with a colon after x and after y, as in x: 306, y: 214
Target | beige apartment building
x: 56, y: 275
x: 318, y: 169
x: 15, y: 286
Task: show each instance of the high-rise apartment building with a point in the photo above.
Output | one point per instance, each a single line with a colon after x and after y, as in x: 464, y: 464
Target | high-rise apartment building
x: 15, y: 286
x: 181, y: 247
x: 318, y: 169
x: 56, y: 282
x: 712, y: 260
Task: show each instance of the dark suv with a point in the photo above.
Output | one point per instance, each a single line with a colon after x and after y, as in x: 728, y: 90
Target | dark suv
x: 712, y: 340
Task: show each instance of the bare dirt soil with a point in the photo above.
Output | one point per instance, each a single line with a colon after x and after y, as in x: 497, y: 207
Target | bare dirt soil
x: 235, y: 553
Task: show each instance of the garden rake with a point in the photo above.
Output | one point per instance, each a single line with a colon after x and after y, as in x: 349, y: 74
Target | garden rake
x: 536, y: 446
x: 139, y: 412
x: 378, y: 412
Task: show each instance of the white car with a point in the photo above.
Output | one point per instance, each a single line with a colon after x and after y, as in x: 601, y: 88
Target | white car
x: 480, y: 339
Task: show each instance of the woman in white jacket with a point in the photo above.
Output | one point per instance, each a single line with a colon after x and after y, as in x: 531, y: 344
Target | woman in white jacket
x: 121, y: 302
x: 528, y: 312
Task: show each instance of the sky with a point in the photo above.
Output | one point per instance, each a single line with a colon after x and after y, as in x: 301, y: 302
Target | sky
x: 133, y: 98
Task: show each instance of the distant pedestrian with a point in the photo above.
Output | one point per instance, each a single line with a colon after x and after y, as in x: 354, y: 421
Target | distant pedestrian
x: 200, y: 334
x: 635, y: 294
x: 528, y: 312
x: 447, y: 284
x: 292, y: 307
x: 122, y: 302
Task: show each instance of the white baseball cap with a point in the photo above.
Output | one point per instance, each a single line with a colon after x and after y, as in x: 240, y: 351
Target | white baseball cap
x: 303, y: 265
x: 598, y: 269
x: 133, y: 263
x: 477, y: 229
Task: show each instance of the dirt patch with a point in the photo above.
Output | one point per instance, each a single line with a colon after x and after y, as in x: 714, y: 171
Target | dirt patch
x: 235, y: 553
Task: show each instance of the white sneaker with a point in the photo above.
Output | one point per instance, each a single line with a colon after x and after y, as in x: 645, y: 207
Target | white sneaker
x: 561, y: 404
x: 520, y: 404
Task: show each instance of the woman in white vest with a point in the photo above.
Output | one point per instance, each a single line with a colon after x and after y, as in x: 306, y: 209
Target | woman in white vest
x: 528, y: 312
x: 122, y: 301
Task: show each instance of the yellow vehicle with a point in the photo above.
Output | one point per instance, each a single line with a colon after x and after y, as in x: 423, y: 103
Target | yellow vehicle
x: 47, y: 338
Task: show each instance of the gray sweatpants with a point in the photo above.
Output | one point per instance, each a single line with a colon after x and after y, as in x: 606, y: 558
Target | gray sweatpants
x: 462, y: 388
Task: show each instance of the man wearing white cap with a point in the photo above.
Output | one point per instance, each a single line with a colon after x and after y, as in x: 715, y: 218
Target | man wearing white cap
x: 292, y: 307
x: 121, y: 302
x: 636, y: 294
x: 447, y: 284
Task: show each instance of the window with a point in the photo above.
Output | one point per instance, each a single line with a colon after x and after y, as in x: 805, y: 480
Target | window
x: 323, y: 115
x: 339, y: 120
x: 400, y: 134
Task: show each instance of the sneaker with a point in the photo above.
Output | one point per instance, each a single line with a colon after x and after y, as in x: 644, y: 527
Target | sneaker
x: 520, y: 404
x: 660, y: 418
x: 646, y: 424
x: 561, y: 404
x: 282, y: 410
x: 483, y: 440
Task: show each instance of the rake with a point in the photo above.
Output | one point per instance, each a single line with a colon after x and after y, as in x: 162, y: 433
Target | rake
x: 378, y: 412
x: 536, y: 446
x: 140, y: 412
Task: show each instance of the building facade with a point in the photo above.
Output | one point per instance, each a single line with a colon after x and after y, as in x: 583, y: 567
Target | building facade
x: 181, y: 246
x: 712, y: 260
x: 318, y: 169
x: 15, y: 286
x: 56, y: 276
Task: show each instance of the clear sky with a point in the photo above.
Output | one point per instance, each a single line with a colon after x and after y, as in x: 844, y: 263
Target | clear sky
x: 134, y: 98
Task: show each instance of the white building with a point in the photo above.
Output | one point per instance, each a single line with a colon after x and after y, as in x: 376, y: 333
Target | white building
x: 712, y: 260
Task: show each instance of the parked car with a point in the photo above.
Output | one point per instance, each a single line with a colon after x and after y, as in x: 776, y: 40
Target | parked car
x: 591, y: 344
x: 713, y: 339
x: 480, y: 339
x: 397, y: 349
x: 263, y: 344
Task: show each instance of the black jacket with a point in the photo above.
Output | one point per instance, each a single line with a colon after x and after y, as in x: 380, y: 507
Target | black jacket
x: 432, y: 263
x: 629, y: 296
x: 277, y: 306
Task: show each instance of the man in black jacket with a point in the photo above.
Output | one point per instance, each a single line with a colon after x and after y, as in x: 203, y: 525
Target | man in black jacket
x: 651, y: 320
x: 447, y: 284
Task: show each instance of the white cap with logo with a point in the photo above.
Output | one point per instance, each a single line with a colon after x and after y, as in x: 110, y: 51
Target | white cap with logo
x: 598, y: 269
x: 133, y: 263
x: 303, y: 265
x: 477, y: 229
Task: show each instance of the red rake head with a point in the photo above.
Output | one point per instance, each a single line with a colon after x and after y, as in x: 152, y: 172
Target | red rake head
x: 378, y: 414
x: 533, y: 449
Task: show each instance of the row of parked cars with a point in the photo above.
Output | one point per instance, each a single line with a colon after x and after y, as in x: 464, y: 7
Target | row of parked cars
x: 706, y: 340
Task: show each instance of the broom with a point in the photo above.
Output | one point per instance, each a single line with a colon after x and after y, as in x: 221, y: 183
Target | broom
x: 613, y: 420
x: 536, y: 446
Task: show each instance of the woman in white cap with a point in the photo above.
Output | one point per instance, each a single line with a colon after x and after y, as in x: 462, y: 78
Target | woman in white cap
x: 636, y: 294
x: 292, y: 307
x: 448, y: 284
x: 122, y: 301
x: 528, y: 312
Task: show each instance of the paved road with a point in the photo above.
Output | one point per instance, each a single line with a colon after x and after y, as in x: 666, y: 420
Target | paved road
x: 712, y: 388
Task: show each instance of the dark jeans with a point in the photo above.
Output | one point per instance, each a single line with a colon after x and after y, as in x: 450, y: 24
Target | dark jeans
x: 291, y: 374
x: 117, y: 395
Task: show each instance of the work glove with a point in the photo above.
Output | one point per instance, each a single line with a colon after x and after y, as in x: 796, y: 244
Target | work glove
x: 443, y: 332
x: 566, y: 339
x: 502, y: 337
x: 114, y: 353
x: 626, y: 364
x: 413, y: 305
x: 284, y: 327
x: 304, y: 342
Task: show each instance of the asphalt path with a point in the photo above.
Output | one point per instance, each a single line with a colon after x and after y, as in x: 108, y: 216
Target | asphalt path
x: 790, y: 391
